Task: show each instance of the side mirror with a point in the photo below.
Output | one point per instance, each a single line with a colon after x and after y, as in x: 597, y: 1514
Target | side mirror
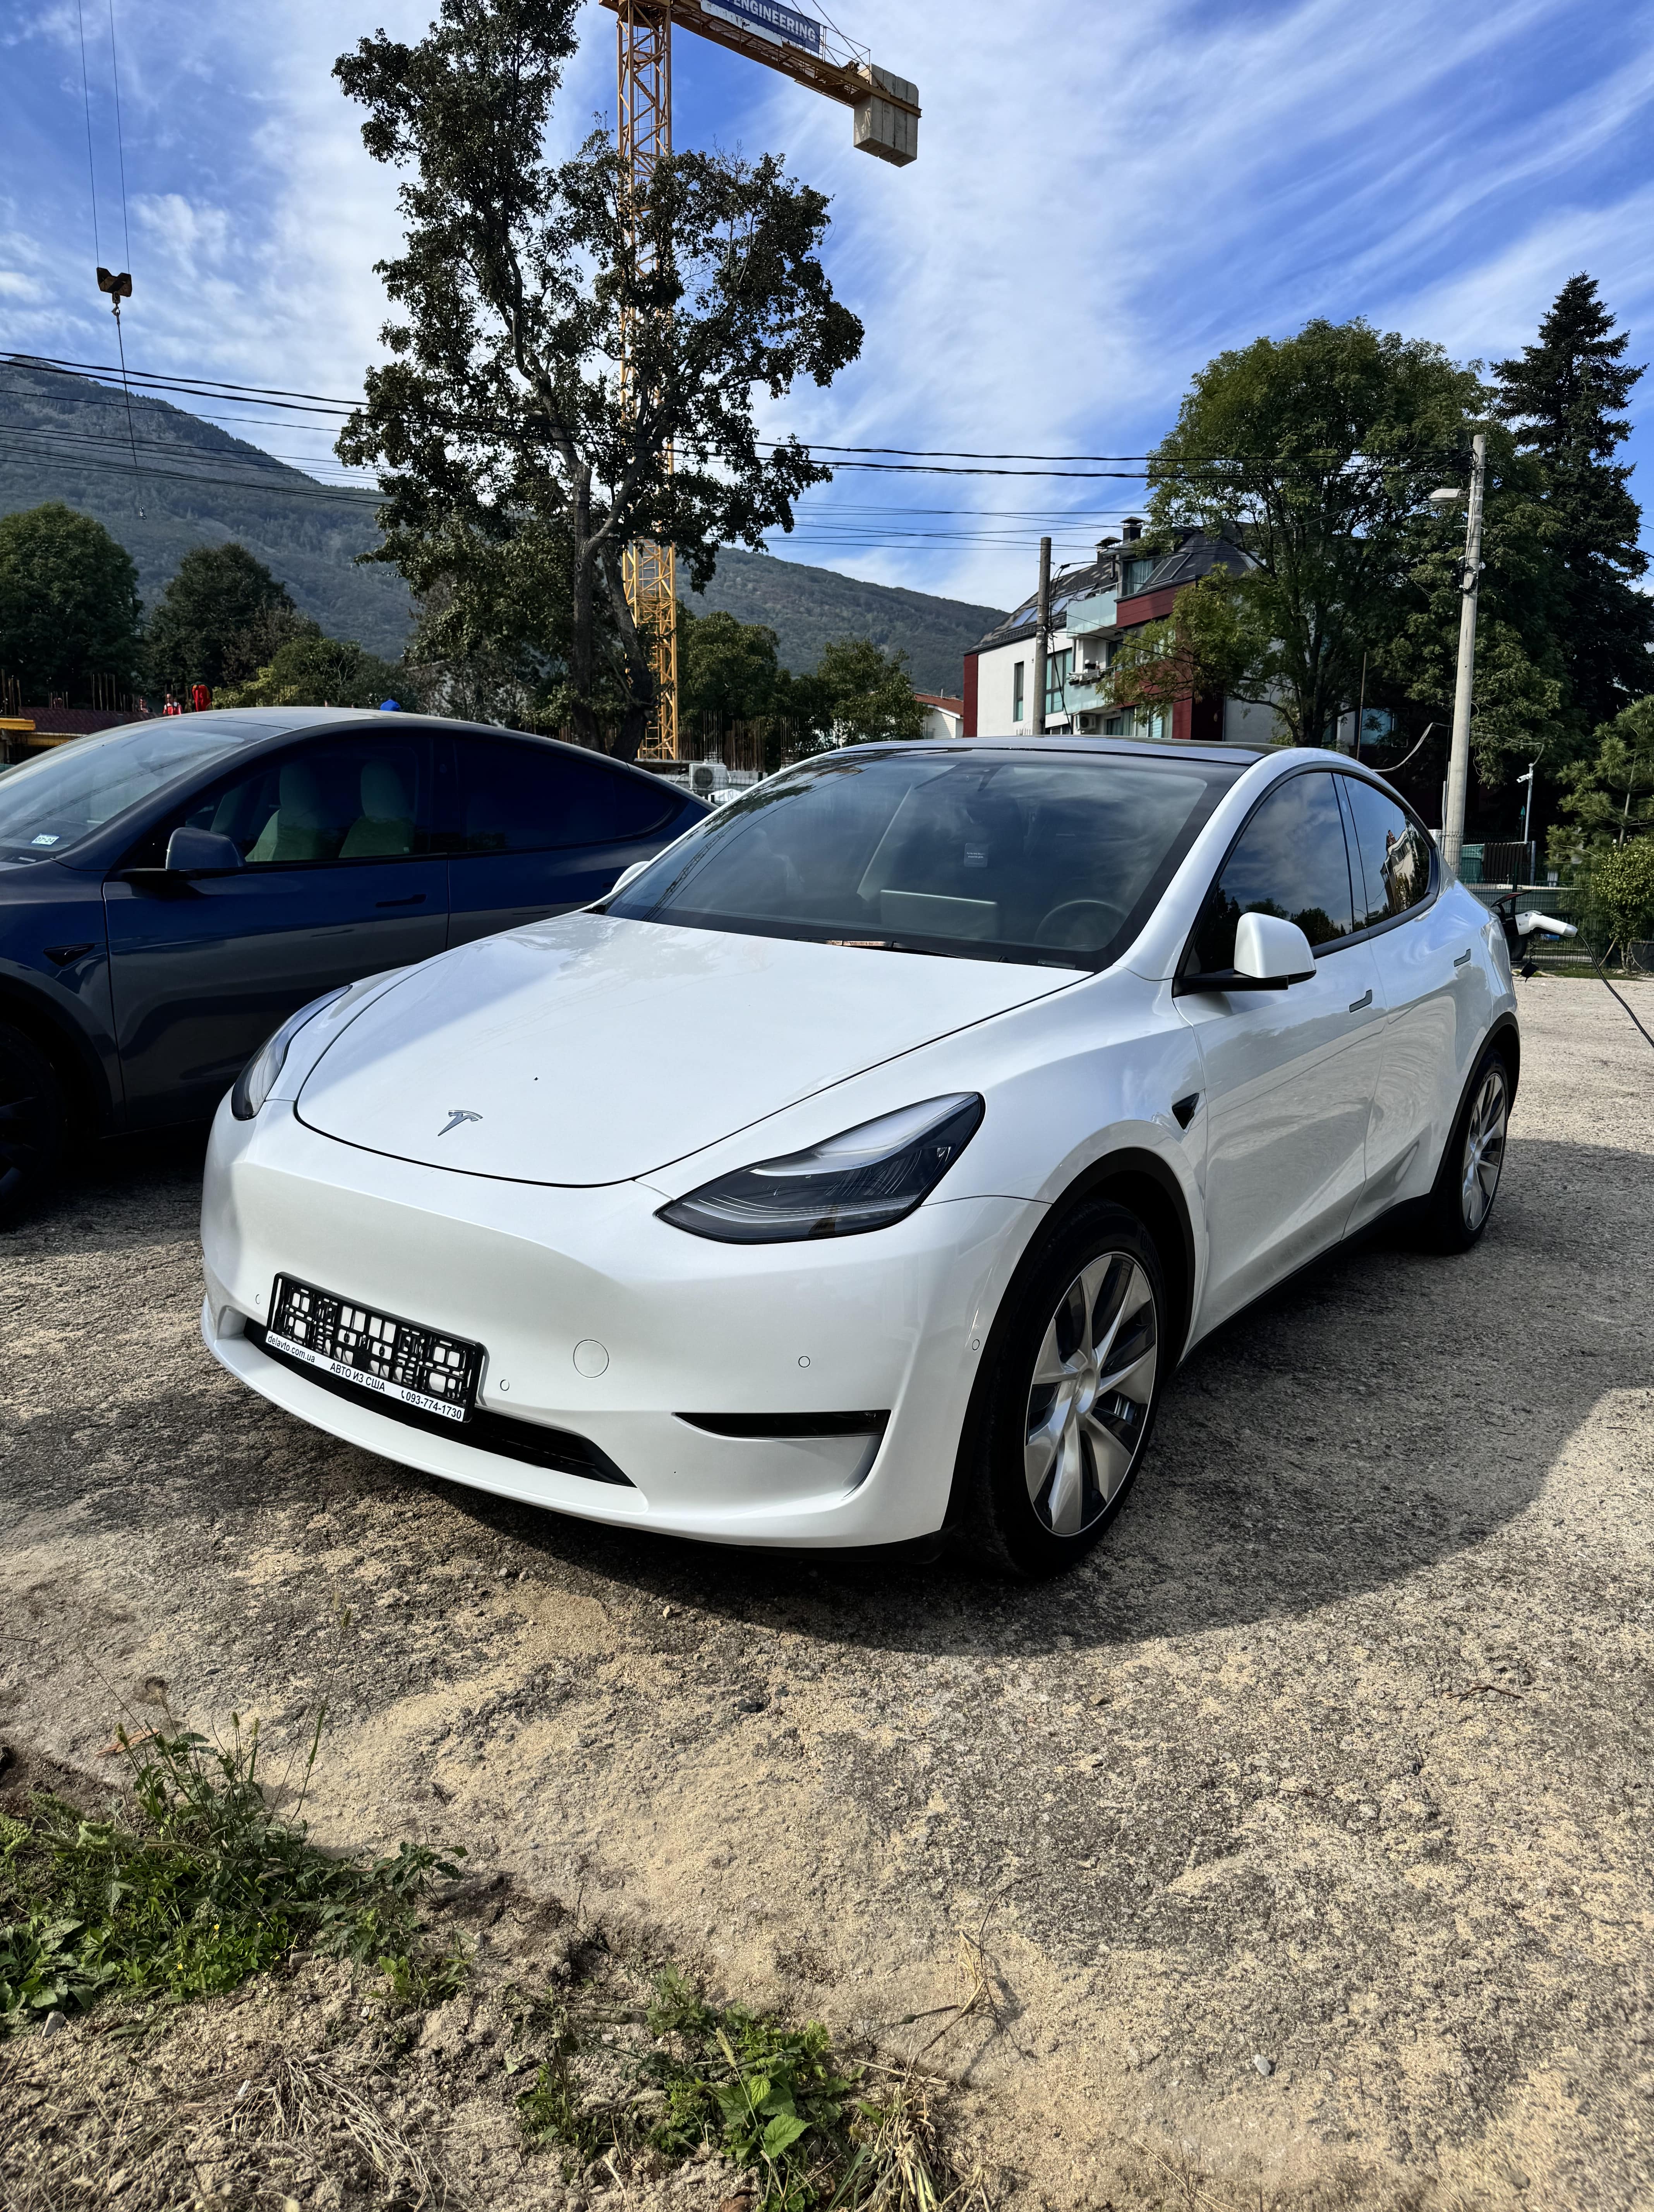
x: 1272, y: 953
x: 202, y: 852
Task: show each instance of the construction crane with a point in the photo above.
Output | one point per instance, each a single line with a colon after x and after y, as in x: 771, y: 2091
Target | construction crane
x: 885, y: 109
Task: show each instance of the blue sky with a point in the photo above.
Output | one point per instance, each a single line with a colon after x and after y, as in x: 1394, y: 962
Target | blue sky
x: 1105, y: 196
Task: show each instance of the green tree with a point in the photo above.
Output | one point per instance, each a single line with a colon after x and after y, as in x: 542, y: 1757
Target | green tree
x: 68, y: 603
x: 865, y: 695
x: 1616, y: 897
x: 1516, y: 706
x: 222, y: 616
x: 1565, y: 397
x: 1609, y: 796
x: 561, y: 337
x: 323, y: 671
x: 1317, y: 452
x: 728, y: 671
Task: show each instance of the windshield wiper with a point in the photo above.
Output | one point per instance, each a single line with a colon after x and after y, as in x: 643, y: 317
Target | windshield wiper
x: 887, y: 945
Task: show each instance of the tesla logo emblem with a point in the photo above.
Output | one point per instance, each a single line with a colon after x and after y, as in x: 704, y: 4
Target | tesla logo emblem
x: 455, y: 1115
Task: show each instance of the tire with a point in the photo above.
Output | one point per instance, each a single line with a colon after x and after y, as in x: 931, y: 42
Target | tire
x: 34, y: 1124
x: 1467, y: 1183
x: 1044, y: 1473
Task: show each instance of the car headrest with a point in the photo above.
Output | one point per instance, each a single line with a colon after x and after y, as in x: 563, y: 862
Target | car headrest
x: 383, y: 799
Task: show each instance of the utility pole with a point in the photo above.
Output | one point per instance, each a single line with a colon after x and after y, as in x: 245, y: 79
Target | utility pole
x: 1458, y: 759
x: 1041, y: 637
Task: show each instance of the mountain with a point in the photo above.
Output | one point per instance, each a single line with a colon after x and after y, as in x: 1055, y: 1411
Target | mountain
x: 66, y: 437
x: 807, y: 607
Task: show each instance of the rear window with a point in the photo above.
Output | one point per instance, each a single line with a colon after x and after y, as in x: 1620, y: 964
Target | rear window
x: 525, y: 798
x: 1055, y: 862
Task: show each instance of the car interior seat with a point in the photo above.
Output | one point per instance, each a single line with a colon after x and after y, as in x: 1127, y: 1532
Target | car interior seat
x: 385, y: 828
x: 298, y: 830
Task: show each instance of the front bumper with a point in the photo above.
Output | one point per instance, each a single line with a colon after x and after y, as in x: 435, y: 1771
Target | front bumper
x: 894, y: 1322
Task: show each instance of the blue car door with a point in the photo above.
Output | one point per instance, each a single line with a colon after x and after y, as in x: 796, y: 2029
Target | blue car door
x: 342, y: 877
x: 535, y: 828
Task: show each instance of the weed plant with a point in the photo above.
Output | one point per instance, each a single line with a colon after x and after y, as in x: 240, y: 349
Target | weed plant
x: 201, y: 1887
x: 773, y: 2098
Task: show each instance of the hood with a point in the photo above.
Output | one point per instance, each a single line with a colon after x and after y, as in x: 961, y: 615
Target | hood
x: 593, y: 1050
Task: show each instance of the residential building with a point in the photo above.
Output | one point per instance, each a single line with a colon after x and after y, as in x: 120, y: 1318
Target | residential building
x: 1092, y: 609
x: 943, y: 717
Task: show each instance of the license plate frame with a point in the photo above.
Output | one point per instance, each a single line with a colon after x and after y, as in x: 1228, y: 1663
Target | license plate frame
x: 384, y: 1355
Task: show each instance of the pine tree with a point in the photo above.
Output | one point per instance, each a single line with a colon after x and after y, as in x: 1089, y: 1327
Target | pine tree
x: 1565, y: 397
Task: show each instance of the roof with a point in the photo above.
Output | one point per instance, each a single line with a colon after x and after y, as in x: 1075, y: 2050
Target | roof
x: 1063, y: 741
x: 939, y: 699
x: 1196, y: 553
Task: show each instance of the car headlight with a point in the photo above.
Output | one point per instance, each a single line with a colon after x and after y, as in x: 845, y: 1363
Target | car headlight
x: 257, y: 1079
x: 865, y: 1178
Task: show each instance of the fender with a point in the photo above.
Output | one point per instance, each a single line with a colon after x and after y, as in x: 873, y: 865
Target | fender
x: 1146, y: 1182
x: 69, y: 1046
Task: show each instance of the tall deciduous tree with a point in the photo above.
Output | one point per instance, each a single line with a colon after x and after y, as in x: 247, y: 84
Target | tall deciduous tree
x: 561, y: 335
x: 1318, y: 452
x: 1565, y: 397
x: 868, y: 694
x: 68, y: 603
x: 223, y: 616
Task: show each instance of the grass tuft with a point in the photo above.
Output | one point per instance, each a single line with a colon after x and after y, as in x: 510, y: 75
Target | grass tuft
x: 773, y: 2098
x: 203, y: 1886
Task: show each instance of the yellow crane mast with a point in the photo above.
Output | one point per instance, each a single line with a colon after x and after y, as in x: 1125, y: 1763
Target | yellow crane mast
x: 885, y: 111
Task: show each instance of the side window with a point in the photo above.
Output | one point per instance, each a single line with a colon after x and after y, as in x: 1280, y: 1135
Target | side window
x: 341, y: 798
x: 527, y: 797
x: 1391, y: 857
x: 1291, y: 861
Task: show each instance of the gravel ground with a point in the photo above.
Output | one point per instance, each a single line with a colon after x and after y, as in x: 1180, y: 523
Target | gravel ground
x: 1306, y: 1827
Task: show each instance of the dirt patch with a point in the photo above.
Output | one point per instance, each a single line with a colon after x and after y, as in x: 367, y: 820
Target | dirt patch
x: 1307, y: 1825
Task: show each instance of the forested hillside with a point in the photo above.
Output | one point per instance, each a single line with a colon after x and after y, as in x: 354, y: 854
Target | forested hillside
x: 65, y: 438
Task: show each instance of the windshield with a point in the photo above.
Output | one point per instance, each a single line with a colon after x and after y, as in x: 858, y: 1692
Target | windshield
x: 47, y: 805
x: 1056, y: 861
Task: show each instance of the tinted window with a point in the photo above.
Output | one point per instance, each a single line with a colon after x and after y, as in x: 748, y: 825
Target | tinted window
x: 1291, y: 860
x: 1390, y: 858
x: 344, y: 799
x: 995, y: 857
x: 527, y: 797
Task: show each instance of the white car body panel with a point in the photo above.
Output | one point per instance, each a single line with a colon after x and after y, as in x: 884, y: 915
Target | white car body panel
x: 1289, y: 1079
x: 536, y: 1229
x: 1439, y: 978
x: 509, y: 1028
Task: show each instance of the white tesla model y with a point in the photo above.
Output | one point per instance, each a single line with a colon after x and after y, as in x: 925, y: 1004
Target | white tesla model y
x: 862, y: 1165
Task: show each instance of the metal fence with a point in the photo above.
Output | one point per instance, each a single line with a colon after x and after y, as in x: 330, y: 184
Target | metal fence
x: 1507, y: 865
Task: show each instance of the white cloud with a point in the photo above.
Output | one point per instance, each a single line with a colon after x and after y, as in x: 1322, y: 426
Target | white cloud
x: 1102, y: 200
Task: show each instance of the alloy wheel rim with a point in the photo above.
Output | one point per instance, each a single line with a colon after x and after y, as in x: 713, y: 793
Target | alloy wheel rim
x: 1484, y: 1149
x: 19, y: 1148
x: 1093, y: 1379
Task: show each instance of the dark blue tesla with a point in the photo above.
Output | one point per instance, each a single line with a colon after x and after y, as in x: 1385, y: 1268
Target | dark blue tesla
x: 170, y: 891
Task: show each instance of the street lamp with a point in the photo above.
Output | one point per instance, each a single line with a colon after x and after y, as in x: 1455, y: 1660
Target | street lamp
x: 1458, y: 759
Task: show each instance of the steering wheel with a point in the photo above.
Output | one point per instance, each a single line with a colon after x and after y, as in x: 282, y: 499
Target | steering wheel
x: 1078, y: 926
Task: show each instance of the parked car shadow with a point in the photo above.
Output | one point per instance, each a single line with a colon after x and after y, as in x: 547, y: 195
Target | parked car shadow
x: 1384, y: 1411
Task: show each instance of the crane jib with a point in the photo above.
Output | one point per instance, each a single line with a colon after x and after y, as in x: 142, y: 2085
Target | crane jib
x: 771, y: 20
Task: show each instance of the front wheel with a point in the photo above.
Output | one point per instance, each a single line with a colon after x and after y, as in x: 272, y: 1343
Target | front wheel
x: 1068, y: 1405
x: 33, y: 1123
x: 1468, y: 1181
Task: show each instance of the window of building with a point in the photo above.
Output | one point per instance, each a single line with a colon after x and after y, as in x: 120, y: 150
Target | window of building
x: 1016, y: 690
x: 1058, y: 667
x: 1137, y: 573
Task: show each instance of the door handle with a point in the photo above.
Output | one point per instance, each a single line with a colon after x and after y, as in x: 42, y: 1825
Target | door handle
x: 1462, y: 957
x: 416, y: 899
x: 1356, y: 1004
